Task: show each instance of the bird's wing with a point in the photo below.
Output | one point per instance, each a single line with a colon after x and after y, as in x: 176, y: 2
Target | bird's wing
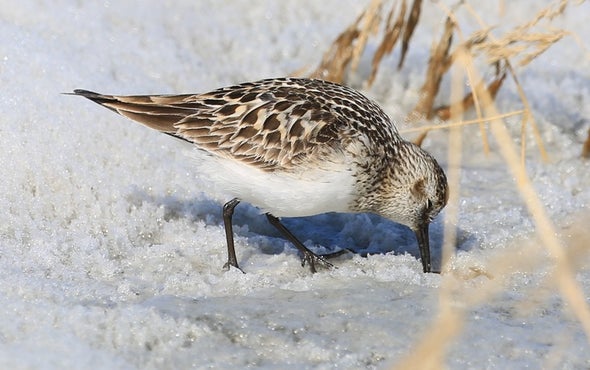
x: 269, y: 124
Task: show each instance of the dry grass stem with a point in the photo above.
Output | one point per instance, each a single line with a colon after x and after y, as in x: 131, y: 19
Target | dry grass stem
x: 451, y: 318
x: 444, y: 112
x: 516, y: 47
x: 528, y: 118
x: 371, y: 26
x: 517, y: 43
x: 564, y: 274
x: 522, y: 43
x: 336, y: 59
x: 586, y: 147
x: 347, y: 49
x: 392, y: 31
x: 409, y: 30
x: 429, y: 352
x: 420, y: 139
x: 462, y: 123
x: 437, y: 66
x: 548, y: 13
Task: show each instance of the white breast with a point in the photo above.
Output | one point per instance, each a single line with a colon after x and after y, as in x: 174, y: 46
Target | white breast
x: 283, y: 194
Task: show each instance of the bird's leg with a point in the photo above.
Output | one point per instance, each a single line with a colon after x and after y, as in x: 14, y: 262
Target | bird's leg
x: 308, y: 256
x: 228, y: 212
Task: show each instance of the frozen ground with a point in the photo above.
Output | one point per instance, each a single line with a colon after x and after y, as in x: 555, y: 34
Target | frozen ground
x: 111, y: 255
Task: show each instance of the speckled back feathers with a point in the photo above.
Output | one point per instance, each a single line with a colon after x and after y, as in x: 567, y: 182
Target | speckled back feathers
x: 273, y: 124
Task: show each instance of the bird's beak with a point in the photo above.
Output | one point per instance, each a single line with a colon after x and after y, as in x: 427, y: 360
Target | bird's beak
x: 424, y: 245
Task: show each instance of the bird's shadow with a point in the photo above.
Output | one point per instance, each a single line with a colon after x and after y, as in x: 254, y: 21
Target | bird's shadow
x: 363, y: 234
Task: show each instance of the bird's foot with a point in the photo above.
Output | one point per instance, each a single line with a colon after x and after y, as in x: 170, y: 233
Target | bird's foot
x: 229, y: 264
x: 311, y: 259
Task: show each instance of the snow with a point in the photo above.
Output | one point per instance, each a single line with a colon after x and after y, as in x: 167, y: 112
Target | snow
x: 111, y: 251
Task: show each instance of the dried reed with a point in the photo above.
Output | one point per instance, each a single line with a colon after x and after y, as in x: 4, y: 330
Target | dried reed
x: 518, y: 46
x: 522, y: 44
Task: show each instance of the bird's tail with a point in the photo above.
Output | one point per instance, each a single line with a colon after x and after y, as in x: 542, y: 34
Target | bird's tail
x: 159, y: 112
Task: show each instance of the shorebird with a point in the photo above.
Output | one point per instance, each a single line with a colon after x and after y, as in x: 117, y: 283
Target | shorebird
x: 297, y: 147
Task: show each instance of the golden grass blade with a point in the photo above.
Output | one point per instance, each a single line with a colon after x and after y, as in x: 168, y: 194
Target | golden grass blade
x: 451, y: 318
x: 454, y: 167
x: 516, y: 44
x: 336, y: 59
x: 568, y: 285
x: 471, y: 100
x: 586, y: 147
x: 409, y: 29
x: 349, y: 45
x: 347, y: 49
x: 390, y: 37
x: 437, y: 66
x: 430, y: 352
x: 420, y: 139
x: 371, y: 22
x: 444, y: 112
x: 462, y: 123
x: 494, y: 47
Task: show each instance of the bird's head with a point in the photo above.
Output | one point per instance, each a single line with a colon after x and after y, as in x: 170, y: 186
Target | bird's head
x: 415, y: 191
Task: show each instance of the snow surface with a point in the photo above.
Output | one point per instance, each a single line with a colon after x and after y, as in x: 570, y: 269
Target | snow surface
x: 111, y: 254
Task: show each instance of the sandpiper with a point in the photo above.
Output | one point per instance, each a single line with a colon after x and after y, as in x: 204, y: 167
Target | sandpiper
x: 297, y: 147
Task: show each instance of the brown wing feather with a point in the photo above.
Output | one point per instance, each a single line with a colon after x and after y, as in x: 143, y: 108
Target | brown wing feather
x: 156, y: 112
x: 270, y: 127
